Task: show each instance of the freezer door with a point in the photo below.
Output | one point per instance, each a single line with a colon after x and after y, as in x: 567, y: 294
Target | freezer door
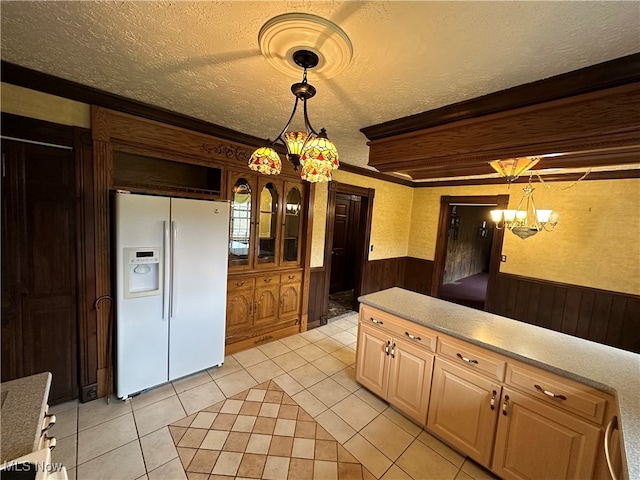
x: 200, y: 239
x: 141, y: 333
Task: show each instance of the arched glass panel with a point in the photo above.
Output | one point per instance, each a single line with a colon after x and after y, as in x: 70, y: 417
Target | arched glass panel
x: 267, y: 229
x: 292, y: 225
x: 240, y: 227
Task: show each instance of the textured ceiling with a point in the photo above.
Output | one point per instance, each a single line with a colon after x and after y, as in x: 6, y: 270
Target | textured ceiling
x: 202, y: 59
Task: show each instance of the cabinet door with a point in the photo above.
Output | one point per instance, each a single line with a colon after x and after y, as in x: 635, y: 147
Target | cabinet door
x: 266, y: 304
x: 537, y: 441
x: 239, y: 310
x: 242, y: 194
x: 464, y: 409
x: 372, y: 359
x: 410, y: 379
x: 268, y: 231
x: 289, y: 300
x: 292, y: 224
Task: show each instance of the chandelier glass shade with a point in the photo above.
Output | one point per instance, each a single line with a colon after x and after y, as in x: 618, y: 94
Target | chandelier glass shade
x: 512, y: 168
x: 312, y: 151
x: 525, y: 221
x: 266, y: 161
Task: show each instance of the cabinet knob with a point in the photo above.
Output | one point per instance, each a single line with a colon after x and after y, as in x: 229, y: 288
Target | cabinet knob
x: 239, y: 283
x: 267, y: 280
x: 549, y: 394
x: 291, y: 277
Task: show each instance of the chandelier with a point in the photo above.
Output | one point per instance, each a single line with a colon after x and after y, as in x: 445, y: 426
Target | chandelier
x: 525, y: 221
x: 312, y: 151
x: 512, y: 168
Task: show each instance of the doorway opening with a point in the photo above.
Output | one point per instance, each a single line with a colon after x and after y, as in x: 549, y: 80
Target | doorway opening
x: 467, y: 250
x: 349, y: 211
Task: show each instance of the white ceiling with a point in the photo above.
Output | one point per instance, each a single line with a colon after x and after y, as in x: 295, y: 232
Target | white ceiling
x: 202, y: 59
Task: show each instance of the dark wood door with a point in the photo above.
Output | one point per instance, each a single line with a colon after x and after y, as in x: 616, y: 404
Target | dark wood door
x: 39, y: 325
x: 341, y: 260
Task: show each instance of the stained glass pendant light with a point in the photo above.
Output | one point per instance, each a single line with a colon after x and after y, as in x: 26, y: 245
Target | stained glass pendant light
x: 512, y: 168
x: 311, y: 150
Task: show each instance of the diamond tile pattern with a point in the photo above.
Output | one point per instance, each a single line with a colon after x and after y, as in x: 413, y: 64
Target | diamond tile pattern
x: 261, y: 433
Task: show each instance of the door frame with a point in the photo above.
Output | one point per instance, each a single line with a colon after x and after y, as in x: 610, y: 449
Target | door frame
x: 366, y: 195
x: 501, y: 202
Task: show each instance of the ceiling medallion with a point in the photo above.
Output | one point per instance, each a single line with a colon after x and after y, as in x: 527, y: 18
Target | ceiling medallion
x: 282, y: 36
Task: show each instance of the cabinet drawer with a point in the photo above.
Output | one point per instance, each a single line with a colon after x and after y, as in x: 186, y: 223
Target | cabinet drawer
x: 473, y: 357
x: 291, y: 277
x: 265, y: 280
x: 240, y: 283
x: 560, y: 392
x: 399, y: 327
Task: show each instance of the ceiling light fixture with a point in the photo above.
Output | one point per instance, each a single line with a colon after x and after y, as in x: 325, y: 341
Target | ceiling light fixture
x: 512, y: 168
x: 525, y: 221
x: 308, y: 149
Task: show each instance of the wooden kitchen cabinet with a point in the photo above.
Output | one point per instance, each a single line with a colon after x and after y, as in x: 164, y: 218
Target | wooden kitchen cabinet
x: 393, y: 368
x: 537, y: 441
x: 265, y: 259
x: 464, y: 409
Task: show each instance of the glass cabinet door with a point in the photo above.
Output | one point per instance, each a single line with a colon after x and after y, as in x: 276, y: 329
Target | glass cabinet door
x: 292, y: 224
x: 268, y: 203
x: 241, y: 196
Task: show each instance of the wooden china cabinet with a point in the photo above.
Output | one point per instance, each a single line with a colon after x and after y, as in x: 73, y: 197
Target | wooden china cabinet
x: 264, y: 289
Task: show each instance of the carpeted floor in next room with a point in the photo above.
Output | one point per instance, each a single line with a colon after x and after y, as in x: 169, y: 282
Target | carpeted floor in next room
x: 470, y: 291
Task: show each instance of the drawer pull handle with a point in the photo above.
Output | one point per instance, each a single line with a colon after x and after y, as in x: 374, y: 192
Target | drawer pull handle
x: 377, y: 322
x: 267, y: 280
x: 611, y: 426
x: 291, y: 277
x: 505, y: 404
x: 393, y: 351
x: 465, y: 359
x: 550, y: 394
x: 240, y: 283
x: 412, y: 337
x: 386, y: 347
x: 493, y: 400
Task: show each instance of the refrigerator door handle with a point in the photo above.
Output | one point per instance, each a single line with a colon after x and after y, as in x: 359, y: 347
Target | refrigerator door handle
x: 173, y: 304
x: 166, y: 289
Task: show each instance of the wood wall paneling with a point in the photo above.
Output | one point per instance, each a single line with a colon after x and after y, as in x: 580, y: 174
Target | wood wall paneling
x: 601, y: 316
x: 317, y: 307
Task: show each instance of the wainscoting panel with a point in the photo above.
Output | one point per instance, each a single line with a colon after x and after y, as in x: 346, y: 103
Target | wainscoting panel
x: 418, y: 274
x: 602, y: 316
x: 317, y: 300
x: 385, y: 273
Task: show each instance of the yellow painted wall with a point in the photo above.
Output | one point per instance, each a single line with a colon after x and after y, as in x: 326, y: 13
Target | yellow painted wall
x: 42, y: 106
x: 391, y: 220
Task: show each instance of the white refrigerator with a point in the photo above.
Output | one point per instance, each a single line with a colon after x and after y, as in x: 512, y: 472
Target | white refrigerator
x: 171, y: 264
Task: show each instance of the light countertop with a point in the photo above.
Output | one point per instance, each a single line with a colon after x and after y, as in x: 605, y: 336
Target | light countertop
x: 23, y: 407
x: 605, y: 368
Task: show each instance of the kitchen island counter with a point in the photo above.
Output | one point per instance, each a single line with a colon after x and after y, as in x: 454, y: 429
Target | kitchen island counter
x: 600, y: 366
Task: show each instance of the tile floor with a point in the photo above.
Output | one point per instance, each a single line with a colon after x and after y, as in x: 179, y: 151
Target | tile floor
x: 131, y: 440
